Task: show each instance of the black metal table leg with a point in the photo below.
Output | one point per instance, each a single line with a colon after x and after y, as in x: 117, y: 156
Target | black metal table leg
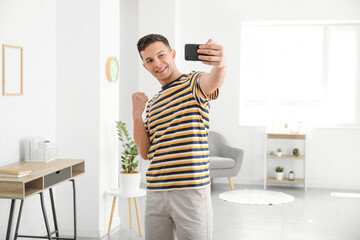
x: 74, y: 207
x: 18, y: 220
x: 11, y: 214
x: 45, y: 217
x: 49, y: 233
x: 54, y: 212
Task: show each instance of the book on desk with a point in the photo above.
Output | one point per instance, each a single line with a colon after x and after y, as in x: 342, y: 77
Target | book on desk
x: 13, y: 172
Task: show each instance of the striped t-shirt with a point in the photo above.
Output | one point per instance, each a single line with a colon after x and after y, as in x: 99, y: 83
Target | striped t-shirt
x: 177, y: 121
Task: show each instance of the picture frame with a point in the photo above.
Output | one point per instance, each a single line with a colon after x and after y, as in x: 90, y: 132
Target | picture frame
x: 12, y: 70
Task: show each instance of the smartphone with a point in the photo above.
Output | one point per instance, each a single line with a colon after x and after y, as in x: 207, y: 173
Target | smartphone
x: 191, y: 53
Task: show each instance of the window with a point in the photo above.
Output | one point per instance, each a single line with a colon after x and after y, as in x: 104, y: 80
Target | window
x: 300, y: 72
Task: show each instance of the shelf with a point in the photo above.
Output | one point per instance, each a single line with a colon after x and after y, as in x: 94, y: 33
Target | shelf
x: 34, y: 186
x: 273, y: 180
x: 286, y: 135
x: 289, y: 159
x: 78, y: 169
x: 302, y: 157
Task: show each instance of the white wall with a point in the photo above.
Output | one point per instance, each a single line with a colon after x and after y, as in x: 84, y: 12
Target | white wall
x: 87, y: 108
x: 78, y: 107
x: 129, y: 57
x: 32, y: 25
x: 197, y: 21
x: 109, y: 111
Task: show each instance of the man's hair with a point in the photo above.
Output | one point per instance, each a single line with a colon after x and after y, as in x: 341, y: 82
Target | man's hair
x: 149, y: 39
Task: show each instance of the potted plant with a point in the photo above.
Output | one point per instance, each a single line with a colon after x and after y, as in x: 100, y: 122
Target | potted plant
x: 129, y: 178
x: 279, y: 173
x: 278, y: 152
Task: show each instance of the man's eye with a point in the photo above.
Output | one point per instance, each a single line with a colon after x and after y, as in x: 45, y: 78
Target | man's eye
x: 149, y: 61
x: 161, y: 55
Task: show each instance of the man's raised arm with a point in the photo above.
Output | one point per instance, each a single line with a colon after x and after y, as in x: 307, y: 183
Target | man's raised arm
x: 141, y: 137
x: 209, y: 82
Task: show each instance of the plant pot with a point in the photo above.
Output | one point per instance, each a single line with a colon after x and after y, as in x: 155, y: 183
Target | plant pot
x: 279, y: 154
x: 279, y: 176
x: 129, y: 182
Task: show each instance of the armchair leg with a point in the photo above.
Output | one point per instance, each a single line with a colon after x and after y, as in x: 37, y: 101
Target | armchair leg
x: 231, y: 183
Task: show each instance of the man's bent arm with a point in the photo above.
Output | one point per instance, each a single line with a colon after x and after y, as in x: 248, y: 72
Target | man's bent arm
x: 141, y: 137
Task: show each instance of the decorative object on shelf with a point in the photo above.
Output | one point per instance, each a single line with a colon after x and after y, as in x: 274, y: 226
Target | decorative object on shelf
x: 38, y: 149
x: 112, y: 69
x: 129, y: 178
x: 278, y: 152
x: 296, y: 152
x: 279, y: 173
x: 12, y: 69
x: 272, y: 153
x: 291, y: 176
x: 297, y: 128
x: 286, y: 128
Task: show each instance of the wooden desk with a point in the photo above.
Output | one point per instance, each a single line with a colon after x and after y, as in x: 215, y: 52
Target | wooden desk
x: 44, y: 175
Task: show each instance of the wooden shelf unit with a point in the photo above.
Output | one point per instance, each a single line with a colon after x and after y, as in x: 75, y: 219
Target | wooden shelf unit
x: 267, y: 157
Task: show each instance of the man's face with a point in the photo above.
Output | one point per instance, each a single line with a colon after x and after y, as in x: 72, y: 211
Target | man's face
x: 159, y: 61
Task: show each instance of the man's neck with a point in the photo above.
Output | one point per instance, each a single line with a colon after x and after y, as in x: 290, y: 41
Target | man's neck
x: 172, y: 78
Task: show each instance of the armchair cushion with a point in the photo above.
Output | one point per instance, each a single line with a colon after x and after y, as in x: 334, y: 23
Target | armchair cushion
x: 221, y: 162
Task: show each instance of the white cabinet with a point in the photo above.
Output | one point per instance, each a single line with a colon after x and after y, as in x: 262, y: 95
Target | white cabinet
x: 287, y: 142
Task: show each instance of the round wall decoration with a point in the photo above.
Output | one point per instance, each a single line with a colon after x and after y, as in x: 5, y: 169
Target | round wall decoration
x: 112, y: 69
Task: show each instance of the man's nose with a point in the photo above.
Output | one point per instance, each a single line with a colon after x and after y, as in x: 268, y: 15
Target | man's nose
x: 157, y: 62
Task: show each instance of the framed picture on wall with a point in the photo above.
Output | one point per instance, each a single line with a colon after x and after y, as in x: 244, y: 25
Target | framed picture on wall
x: 12, y: 70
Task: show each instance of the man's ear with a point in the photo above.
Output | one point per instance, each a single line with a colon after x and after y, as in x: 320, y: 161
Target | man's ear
x: 173, y: 53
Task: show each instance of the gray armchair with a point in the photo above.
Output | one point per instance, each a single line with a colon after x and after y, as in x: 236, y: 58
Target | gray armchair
x: 225, y: 161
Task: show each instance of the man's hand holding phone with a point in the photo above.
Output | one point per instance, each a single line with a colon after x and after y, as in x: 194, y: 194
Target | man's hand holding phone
x: 209, y: 53
x: 212, y: 54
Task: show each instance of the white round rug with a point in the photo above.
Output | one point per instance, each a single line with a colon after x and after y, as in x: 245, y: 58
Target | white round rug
x: 256, y: 197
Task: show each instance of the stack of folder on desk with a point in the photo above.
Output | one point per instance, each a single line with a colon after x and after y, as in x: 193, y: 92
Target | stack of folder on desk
x: 14, y: 173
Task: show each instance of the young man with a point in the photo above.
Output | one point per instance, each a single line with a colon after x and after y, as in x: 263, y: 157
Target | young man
x: 174, y: 139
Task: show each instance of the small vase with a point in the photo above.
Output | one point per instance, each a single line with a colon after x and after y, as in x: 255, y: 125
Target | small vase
x: 279, y: 176
x: 130, y: 182
x: 291, y: 176
x: 279, y: 154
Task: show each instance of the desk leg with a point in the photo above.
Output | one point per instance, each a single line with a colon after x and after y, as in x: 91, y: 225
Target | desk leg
x: 18, y: 221
x: 10, y: 219
x: 45, y: 217
x: 138, y: 216
x: 74, y: 198
x: 54, y: 212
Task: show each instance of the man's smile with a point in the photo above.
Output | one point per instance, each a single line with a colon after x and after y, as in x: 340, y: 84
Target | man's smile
x: 161, y: 70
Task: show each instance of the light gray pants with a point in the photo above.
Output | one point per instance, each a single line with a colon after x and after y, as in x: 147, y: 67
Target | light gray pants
x: 187, y: 212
